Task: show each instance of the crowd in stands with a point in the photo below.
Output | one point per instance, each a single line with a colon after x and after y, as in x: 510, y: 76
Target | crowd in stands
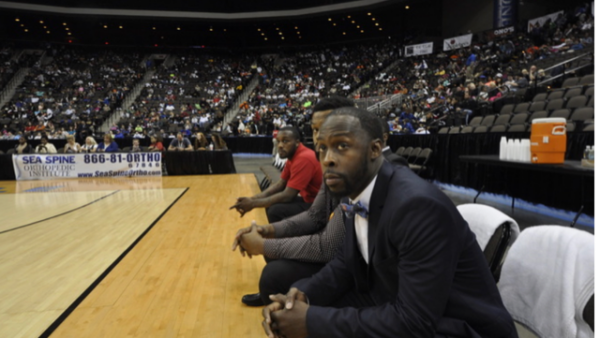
x: 455, y: 84
x: 71, y: 90
x: 74, y: 90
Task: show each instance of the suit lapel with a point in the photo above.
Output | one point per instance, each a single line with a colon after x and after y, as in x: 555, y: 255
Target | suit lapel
x: 377, y: 202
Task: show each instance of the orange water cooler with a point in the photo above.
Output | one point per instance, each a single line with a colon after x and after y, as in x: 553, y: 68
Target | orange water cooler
x: 548, y: 140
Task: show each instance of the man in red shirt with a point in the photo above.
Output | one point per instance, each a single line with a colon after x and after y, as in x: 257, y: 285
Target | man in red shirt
x: 301, y: 175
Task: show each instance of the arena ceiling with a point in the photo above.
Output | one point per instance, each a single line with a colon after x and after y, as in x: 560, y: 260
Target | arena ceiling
x: 224, y: 23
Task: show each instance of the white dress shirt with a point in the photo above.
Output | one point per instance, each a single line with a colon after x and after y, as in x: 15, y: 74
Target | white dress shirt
x: 361, y: 224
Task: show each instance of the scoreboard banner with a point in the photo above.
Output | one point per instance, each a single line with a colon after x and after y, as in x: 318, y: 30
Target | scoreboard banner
x: 49, y: 166
x: 458, y: 42
x: 420, y: 49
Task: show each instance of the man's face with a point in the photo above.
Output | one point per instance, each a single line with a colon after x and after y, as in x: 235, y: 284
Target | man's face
x: 346, y: 155
x: 43, y: 141
x: 136, y: 143
x: 286, y: 144
x: 22, y: 139
x: 316, y: 122
x: 179, y: 137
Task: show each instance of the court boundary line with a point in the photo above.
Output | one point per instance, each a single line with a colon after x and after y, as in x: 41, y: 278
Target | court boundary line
x: 61, y: 214
x: 103, y: 275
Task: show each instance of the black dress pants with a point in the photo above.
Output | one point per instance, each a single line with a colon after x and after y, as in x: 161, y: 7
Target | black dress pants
x: 281, y: 211
x: 279, y: 275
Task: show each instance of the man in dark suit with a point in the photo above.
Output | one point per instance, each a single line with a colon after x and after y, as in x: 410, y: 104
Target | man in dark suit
x: 409, y: 265
x: 386, y: 151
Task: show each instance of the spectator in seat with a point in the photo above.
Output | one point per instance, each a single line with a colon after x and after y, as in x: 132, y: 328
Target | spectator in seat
x: 180, y: 143
x: 155, y: 144
x: 89, y: 146
x: 301, y: 175
x: 200, y: 143
x: 135, y: 146
x: 108, y: 146
x: 217, y: 142
x: 409, y: 265
x: 45, y: 147
x: 71, y: 146
x: 23, y: 147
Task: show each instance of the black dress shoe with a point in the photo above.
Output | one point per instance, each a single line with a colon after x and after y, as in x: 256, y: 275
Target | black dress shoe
x: 253, y: 300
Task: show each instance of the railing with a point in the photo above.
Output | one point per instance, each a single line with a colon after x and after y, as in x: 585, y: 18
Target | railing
x: 565, y: 71
x: 378, y: 103
x: 235, y: 108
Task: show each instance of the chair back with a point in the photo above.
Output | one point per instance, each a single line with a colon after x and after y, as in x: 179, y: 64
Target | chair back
x: 547, y: 281
x: 495, y: 232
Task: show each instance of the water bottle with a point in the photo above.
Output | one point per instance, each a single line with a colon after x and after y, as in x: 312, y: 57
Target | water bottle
x: 211, y: 146
x: 586, y: 153
x: 591, y: 155
x: 527, y: 149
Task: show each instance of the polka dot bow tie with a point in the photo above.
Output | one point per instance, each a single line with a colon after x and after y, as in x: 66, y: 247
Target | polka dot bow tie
x: 355, y: 209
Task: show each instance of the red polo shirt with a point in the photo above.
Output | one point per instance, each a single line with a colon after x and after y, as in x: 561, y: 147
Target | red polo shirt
x: 303, y: 172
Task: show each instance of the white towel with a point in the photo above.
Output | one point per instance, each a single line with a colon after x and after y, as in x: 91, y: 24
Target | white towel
x: 484, y: 220
x: 547, y: 279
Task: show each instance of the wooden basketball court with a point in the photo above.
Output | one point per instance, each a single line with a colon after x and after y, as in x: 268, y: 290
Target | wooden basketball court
x: 126, y: 257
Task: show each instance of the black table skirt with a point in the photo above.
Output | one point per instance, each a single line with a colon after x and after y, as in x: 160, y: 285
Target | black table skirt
x: 199, y: 162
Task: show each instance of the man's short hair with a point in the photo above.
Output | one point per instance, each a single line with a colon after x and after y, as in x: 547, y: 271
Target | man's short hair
x: 293, y: 130
x: 385, y: 127
x: 333, y: 102
x: 369, y: 122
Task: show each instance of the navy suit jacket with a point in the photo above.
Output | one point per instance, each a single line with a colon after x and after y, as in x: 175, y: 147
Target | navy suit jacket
x: 426, y: 277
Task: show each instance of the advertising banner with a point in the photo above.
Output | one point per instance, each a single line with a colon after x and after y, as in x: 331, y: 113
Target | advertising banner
x: 50, y: 166
x: 505, y: 13
x: 420, y: 49
x: 539, y: 22
x: 458, y: 42
x: 500, y: 32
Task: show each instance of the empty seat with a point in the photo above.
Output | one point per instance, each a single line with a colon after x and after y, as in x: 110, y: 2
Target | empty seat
x: 488, y: 120
x: 494, y: 231
x: 577, y: 101
x: 475, y: 121
x: 590, y: 102
x: 547, y: 281
x: 507, y: 109
x: 564, y: 113
x: 480, y: 129
x: 540, y: 97
x: 555, y: 104
x: 538, y: 115
x: 537, y: 106
x: 557, y: 94
x: 515, y: 128
x: 570, y: 127
x: 582, y: 114
x: 443, y: 130
x: 502, y: 120
x: 521, y: 93
x: 570, y: 82
x: 420, y: 162
x: 587, y: 80
x: 407, y: 152
x: 466, y: 130
x: 589, y: 91
x: 519, y: 118
x: 399, y: 151
x: 498, y: 129
x: 454, y: 130
x: 521, y: 108
x: 413, y: 154
x: 571, y: 93
x: 588, y: 127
